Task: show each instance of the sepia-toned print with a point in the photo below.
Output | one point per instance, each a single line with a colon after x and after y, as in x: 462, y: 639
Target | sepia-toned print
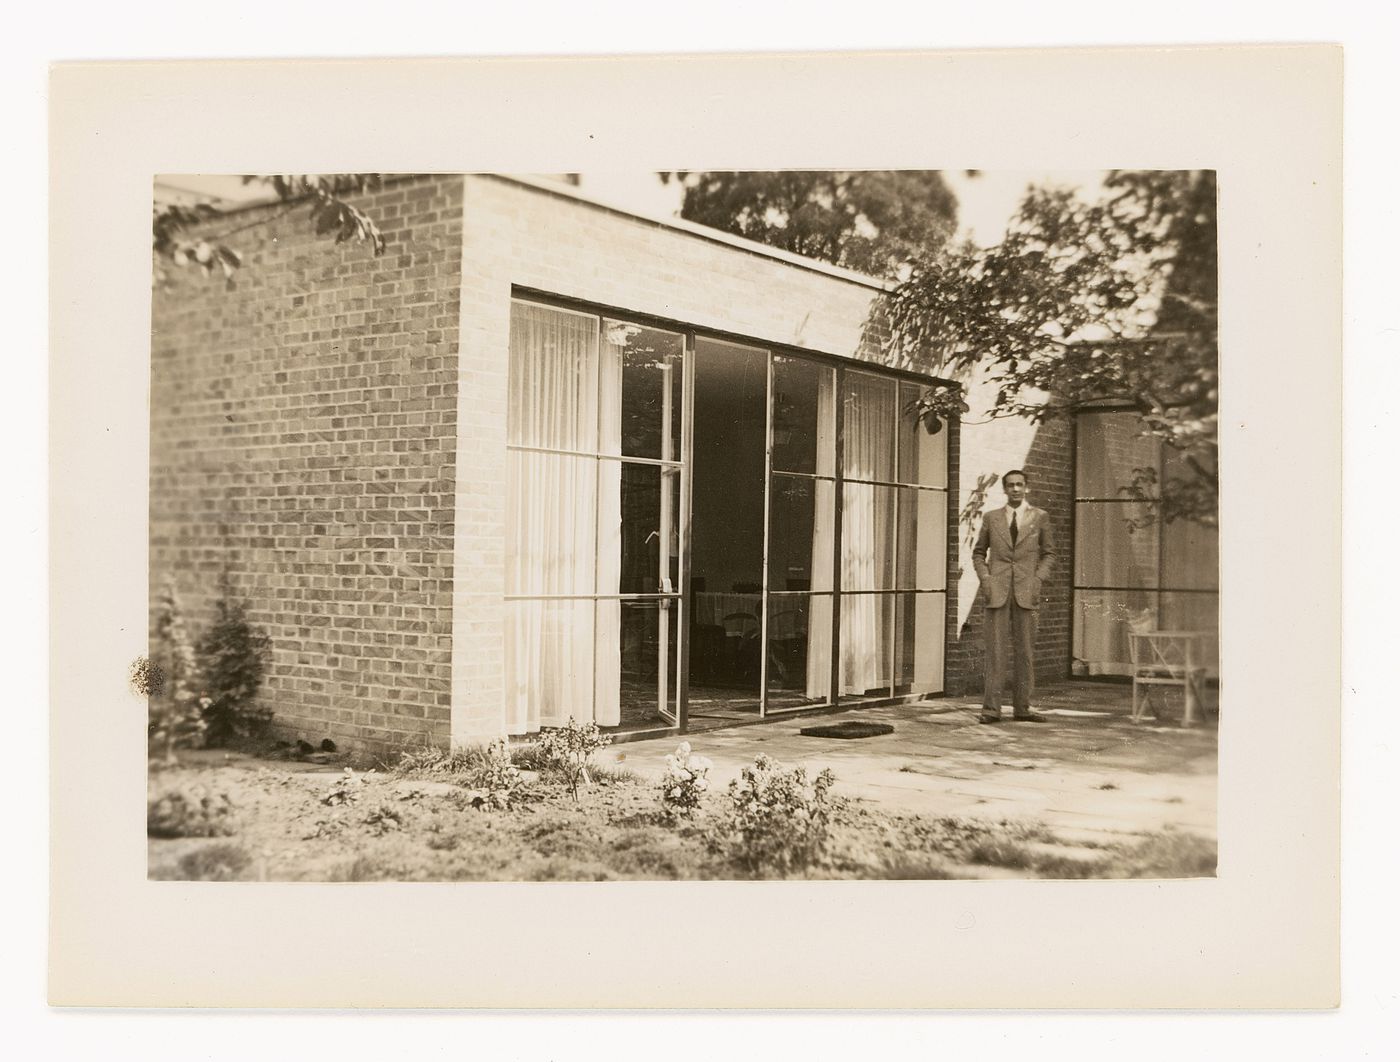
x: 684, y: 525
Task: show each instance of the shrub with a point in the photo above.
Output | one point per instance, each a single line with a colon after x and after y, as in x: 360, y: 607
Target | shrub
x: 193, y: 813
x: 684, y: 781
x: 569, y: 747
x: 170, y: 681
x: 216, y: 862
x: 778, y: 820
x: 232, y: 658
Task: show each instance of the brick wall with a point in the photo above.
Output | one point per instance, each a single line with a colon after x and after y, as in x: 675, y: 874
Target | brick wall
x: 303, y: 429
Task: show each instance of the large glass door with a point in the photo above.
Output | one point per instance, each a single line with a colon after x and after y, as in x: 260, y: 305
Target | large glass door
x: 594, y: 488
x: 799, y: 634
x: 819, y: 554
x: 725, y: 570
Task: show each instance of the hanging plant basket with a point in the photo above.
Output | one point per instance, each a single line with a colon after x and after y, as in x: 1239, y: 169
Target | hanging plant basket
x: 938, y: 405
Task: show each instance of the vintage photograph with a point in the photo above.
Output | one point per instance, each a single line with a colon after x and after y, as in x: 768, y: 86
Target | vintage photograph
x: 720, y: 525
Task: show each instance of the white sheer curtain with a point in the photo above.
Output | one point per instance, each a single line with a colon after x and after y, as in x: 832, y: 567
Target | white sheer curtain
x: 553, y: 529
x: 866, y: 526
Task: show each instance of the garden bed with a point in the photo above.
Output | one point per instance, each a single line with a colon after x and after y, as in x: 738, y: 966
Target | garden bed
x: 276, y: 821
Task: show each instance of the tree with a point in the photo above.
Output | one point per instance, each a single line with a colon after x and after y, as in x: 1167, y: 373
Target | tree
x: 180, y: 234
x: 1084, y: 304
x: 872, y: 221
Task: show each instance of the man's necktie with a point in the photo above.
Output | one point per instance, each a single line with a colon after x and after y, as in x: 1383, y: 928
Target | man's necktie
x: 1013, y: 527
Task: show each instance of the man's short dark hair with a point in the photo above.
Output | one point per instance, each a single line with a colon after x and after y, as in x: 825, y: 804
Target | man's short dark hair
x: 1015, y: 472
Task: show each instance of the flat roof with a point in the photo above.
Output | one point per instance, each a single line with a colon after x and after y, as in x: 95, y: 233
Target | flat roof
x: 691, y: 228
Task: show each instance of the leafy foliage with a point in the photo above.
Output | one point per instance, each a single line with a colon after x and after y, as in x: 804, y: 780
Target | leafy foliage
x: 174, y: 713
x: 180, y: 233
x: 232, y: 658
x: 1111, y: 302
x: 170, y: 241
x: 329, y: 212
x: 498, y: 777
x: 433, y: 761
x: 938, y: 405
x: 873, y: 221
x: 777, y: 820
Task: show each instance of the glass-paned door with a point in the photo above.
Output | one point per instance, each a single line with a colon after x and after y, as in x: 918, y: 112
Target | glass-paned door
x: 595, y: 481
x: 725, y: 571
x: 801, y: 535
x: 894, y: 542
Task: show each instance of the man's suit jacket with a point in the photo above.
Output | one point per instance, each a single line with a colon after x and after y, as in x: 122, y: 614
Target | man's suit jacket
x: 1004, y: 569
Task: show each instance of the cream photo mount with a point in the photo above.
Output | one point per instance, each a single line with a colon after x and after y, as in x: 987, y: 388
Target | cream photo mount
x: 1263, y: 934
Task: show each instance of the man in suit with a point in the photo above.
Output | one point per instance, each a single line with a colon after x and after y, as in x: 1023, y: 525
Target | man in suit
x: 1013, y: 557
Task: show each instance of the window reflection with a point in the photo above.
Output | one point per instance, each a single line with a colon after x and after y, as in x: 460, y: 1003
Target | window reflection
x: 644, y: 365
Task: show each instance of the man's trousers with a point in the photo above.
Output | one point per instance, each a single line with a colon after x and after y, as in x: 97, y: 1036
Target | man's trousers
x: 1009, y: 633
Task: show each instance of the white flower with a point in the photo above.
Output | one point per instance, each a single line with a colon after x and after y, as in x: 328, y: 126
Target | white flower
x: 684, y: 749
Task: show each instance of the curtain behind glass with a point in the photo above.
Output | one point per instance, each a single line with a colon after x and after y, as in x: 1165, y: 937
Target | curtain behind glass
x: 866, y: 528
x: 556, y: 543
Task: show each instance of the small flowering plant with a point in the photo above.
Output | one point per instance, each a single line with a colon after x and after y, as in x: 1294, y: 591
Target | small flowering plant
x: 685, y: 780
x: 569, y: 748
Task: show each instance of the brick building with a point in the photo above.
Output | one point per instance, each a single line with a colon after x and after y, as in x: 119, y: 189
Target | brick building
x: 546, y: 458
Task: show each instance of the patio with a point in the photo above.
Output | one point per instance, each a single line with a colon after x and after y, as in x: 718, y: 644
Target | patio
x: 1087, y: 771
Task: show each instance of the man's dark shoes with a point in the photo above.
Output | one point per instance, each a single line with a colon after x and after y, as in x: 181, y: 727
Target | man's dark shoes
x: 1029, y: 717
x: 987, y: 717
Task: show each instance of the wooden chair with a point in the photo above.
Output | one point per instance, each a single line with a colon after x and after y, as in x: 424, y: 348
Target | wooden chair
x: 1168, y: 658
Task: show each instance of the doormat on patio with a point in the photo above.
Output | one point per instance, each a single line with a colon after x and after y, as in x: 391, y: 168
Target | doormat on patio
x: 851, y: 728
